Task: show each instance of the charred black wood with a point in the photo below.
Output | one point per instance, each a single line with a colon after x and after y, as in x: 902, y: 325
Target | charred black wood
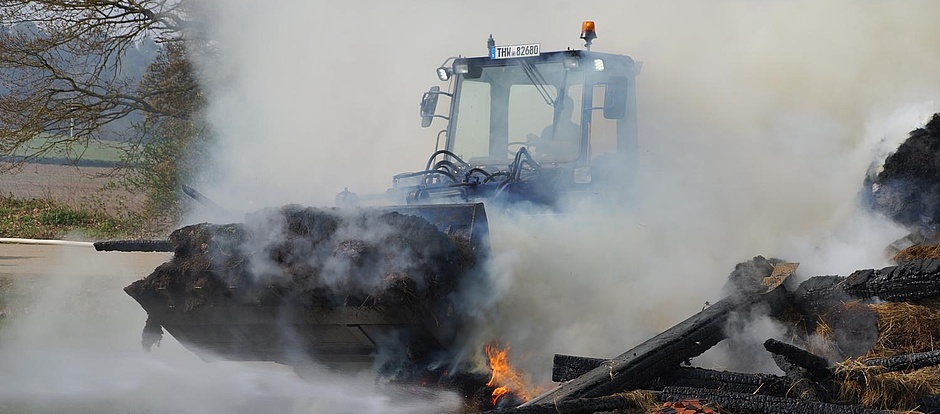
x: 660, y: 354
x: 906, y: 362
x: 568, y: 367
x: 576, y: 406
x: 134, y: 246
x: 766, y: 404
x: 799, y: 385
x: 205, y: 201
x: 930, y: 404
x: 818, y: 294
x: 722, y: 380
x: 817, y: 367
x: 653, y: 358
x: 746, y: 276
x: 906, y: 282
x: 751, y: 277
x: 808, y: 374
x: 152, y: 334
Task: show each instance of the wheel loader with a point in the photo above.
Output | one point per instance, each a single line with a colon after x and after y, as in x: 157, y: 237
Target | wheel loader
x: 522, y: 128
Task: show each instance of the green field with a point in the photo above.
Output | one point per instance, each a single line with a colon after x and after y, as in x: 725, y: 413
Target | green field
x: 86, y: 150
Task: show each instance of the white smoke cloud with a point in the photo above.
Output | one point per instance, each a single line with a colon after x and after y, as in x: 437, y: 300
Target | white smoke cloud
x: 758, y: 122
x: 77, y: 348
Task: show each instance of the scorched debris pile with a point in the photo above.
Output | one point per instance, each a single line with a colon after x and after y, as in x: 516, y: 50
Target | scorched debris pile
x: 298, y: 280
x: 857, y: 344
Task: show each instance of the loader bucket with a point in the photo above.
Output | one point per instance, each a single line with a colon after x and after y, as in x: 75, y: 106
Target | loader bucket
x: 220, y: 319
x: 467, y: 221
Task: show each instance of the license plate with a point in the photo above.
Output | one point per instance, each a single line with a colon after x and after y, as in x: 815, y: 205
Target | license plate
x: 514, y: 51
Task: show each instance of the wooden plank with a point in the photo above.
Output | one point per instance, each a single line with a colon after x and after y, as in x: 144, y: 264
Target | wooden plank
x: 657, y: 356
x: 569, y: 367
x: 766, y: 404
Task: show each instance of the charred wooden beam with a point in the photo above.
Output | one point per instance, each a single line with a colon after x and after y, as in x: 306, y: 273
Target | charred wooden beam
x: 205, y: 201
x: 818, y: 294
x: 576, y: 406
x: 816, y: 366
x: 722, y: 380
x: 930, y: 404
x: 568, y: 367
x: 660, y: 354
x: 134, y: 246
x: 809, y: 374
x: 906, y: 282
x: 907, y: 361
x: 766, y: 404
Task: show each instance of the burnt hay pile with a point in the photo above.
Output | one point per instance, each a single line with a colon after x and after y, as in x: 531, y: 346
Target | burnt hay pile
x: 308, y: 257
x: 862, y: 343
x: 907, y: 189
x: 877, y: 330
x: 867, y: 341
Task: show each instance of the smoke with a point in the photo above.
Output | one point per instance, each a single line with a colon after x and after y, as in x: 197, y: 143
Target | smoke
x: 76, y: 348
x: 742, y: 352
x: 758, y: 122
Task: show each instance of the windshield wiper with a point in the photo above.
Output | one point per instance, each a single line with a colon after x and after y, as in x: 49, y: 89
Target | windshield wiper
x: 538, y: 80
x: 556, y: 114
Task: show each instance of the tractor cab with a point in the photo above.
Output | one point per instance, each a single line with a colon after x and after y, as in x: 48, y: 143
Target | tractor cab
x: 527, y: 125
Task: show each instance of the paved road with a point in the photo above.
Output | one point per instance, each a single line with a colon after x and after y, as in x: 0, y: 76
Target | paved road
x: 32, y: 260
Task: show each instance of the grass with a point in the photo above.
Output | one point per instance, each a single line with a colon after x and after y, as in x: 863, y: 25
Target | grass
x: 93, y: 151
x: 43, y: 218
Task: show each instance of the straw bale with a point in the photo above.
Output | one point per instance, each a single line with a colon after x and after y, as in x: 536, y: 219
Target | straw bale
x: 905, y: 328
x: 645, y: 400
x: 871, y: 387
x: 915, y: 252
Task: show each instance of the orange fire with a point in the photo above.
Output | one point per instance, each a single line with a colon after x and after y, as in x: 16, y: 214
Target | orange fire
x: 504, y: 377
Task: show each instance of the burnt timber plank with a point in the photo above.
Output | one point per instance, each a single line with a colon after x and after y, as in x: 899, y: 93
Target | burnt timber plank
x: 907, y: 361
x: 766, y: 404
x: 816, y: 366
x: 908, y: 281
x: 569, y: 367
x: 658, y: 355
x: 722, y: 380
x: 578, y: 406
x: 134, y: 246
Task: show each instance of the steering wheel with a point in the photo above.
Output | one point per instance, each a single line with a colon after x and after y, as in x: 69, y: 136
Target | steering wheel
x: 509, y: 146
x: 532, y: 142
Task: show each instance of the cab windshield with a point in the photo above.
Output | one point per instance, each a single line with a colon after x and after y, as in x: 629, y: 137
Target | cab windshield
x: 501, y: 109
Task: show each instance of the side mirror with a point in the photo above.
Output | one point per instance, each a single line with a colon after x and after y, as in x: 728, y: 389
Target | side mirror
x: 429, y: 105
x: 615, y: 98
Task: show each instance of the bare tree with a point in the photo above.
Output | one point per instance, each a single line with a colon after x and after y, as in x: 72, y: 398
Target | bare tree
x: 61, y: 67
x: 179, y: 140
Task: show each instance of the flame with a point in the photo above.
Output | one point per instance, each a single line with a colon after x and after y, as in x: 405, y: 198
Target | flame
x: 504, y: 378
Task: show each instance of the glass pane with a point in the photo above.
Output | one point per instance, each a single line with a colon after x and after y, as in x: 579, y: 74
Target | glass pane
x: 603, y: 130
x: 528, y: 113
x: 473, y: 120
x: 559, y: 141
x: 513, y: 103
